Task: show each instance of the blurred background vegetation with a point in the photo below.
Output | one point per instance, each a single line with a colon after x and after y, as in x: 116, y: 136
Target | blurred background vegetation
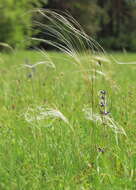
x: 111, y: 22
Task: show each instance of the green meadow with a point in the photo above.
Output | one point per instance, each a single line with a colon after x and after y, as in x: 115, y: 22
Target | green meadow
x: 55, y: 133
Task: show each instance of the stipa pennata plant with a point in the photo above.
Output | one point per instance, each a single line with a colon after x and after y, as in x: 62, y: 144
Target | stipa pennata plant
x: 6, y: 46
x: 104, y: 116
x: 31, y: 68
x: 64, y: 33
x: 35, y: 115
x: 47, y: 62
x: 41, y: 113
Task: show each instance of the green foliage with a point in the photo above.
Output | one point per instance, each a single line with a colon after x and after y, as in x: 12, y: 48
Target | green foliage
x: 88, y: 14
x: 16, y: 21
x: 119, y: 31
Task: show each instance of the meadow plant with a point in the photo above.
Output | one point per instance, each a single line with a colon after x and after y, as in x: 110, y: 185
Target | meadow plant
x: 40, y: 113
x: 64, y: 33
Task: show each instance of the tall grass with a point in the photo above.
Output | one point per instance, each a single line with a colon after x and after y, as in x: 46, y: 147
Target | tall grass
x: 66, y: 118
x: 63, y: 32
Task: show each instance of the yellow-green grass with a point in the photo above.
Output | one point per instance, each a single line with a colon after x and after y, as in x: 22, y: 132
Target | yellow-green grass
x: 53, y: 153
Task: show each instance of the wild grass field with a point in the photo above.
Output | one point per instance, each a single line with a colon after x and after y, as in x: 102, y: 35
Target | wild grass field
x: 67, y: 126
